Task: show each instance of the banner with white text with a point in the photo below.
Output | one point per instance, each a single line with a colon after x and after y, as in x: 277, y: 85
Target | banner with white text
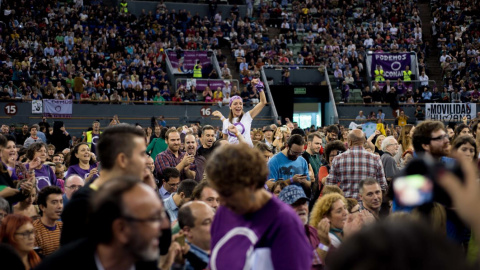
x: 450, y: 112
x: 57, y: 108
x: 393, y: 64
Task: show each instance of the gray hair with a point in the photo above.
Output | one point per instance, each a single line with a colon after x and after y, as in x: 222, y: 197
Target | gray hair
x: 386, y: 142
x: 4, y: 205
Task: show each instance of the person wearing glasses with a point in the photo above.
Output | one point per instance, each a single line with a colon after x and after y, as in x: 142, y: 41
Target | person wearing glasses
x: 17, y: 231
x: 171, y: 180
x: 179, y: 198
x: 289, y: 164
x: 430, y: 138
x: 390, y: 148
x: 124, y: 230
x: 48, y: 228
x: 72, y: 183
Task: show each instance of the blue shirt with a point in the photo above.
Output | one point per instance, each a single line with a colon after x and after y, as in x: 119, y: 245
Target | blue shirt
x: 201, y: 254
x: 164, y: 193
x: 282, y: 167
x: 171, y: 207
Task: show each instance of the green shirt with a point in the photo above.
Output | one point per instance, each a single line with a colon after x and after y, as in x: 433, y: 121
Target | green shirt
x: 314, y: 161
x: 156, y: 146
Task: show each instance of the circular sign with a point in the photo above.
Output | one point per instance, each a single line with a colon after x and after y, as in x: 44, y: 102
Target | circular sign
x: 205, y: 111
x: 11, y: 109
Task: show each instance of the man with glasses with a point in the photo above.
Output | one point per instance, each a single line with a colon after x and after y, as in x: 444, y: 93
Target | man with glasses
x: 125, y: 228
x: 430, y: 138
x: 289, y: 165
x: 182, y: 196
x: 171, y: 180
x: 390, y: 149
x: 73, y: 183
x: 354, y: 165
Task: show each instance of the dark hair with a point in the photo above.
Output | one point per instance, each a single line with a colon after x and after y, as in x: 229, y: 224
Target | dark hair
x: 3, y: 144
x: 73, y: 160
x: 263, y: 147
x: 366, y: 182
x: 108, y: 205
x: 423, y: 133
x: 207, y: 127
x: 187, y: 186
x: 163, y: 132
x: 402, y: 244
x: 459, y: 129
x: 185, y: 217
x: 10, y: 138
x: 115, y: 140
x: 298, y: 131
x: 34, y: 147
x: 463, y: 139
x: 332, y: 128
x: 197, y: 191
x: 295, y: 139
x: 44, y: 193
x: 335, y: 145
x: 170, y: 172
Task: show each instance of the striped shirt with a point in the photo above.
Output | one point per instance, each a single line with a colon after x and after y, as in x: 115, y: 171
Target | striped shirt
x: 351, y: 167
x: 48, y: 239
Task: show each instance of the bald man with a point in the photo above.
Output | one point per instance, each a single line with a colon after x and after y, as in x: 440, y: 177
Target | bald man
x: 195, y: 219
x: 354, y: 165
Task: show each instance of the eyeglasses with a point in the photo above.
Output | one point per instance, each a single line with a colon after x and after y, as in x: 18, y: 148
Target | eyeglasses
x: 440, y: 138
x: 295, y: 153
x: 26, y: 234
x: 159, y: 218
x: 74, y: 186
x: 173, y: 185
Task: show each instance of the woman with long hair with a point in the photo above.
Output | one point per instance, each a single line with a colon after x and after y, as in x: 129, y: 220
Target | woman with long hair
x: 26, y: 207
x: 81, y: 162
x: 240, y: 119
x: 17, y: 231
x: 405, y: 141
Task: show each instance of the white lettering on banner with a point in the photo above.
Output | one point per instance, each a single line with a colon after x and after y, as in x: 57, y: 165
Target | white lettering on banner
x: 390, y: 57
x: 450, y: 111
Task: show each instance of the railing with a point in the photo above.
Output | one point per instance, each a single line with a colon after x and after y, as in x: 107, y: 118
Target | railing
x: 332, y: 99
x: 217, y: 82
x: 431, y: 84
x: 269, y: 94
x: 216, y: 66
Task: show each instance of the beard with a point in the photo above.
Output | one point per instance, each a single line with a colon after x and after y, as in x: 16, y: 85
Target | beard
x: 143, y: 250
x: 292, y: 157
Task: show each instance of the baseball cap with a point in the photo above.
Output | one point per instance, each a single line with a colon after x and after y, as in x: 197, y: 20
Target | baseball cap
x: 291, y: 194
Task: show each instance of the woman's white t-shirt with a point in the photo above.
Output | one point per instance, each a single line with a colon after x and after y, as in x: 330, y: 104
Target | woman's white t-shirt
x: 243, y: 127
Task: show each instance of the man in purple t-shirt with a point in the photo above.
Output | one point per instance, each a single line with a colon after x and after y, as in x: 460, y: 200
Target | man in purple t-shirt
x: 252, y: 229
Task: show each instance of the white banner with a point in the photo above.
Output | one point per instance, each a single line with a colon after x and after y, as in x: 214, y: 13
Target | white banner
x: 37, y: 106
x: 57, y: 108
x: 450, y: 112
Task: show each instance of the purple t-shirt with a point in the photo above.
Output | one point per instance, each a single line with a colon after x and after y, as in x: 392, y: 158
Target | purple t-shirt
x: 75, y: 169
x: 45, y: 176
x: 271, y: 238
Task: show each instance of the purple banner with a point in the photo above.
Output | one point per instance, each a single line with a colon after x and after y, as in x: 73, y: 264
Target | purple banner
x: 189, y: 59
x: 393, y: 64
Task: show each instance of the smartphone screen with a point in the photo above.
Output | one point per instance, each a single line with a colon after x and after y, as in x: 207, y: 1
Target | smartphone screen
x: 413, y: 190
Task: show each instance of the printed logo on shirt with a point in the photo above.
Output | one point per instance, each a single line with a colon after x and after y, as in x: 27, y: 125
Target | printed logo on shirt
x: 42, y: 181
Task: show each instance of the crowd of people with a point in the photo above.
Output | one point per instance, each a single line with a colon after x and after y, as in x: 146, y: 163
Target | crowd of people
x: 203, y: 197
x: 227, y: 196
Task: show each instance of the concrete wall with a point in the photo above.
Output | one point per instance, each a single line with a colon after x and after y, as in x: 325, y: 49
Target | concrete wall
x: 85, y: 114
x: 136, y: 7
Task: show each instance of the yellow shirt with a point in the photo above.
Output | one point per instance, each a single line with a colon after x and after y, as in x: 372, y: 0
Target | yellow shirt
x: 402, y: 120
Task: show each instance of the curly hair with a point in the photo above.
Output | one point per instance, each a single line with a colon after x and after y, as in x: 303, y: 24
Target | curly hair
x: 233, y: 167
x: 35, y: 147
x: 335, y: 145
x: 323, y: 207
